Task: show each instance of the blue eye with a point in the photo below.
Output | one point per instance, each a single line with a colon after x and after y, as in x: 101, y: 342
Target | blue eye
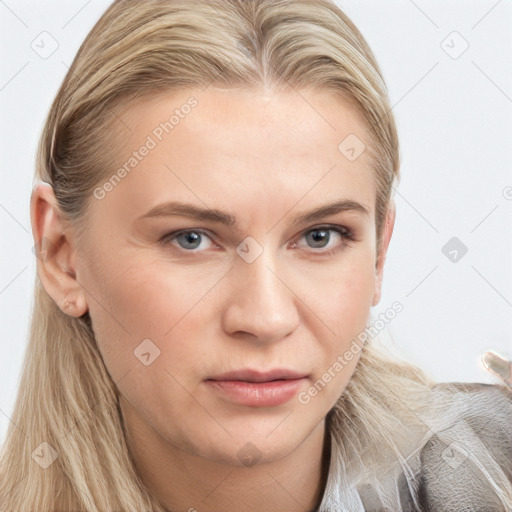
x: 189, y: 239
x: 316, y: 238
x: 320, y: 237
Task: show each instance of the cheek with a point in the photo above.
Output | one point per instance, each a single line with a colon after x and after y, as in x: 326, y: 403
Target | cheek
x: 142, y: 301
x: 145, y: 337
x: 340, y: 293
x: 343, y: 302
x: 352, y: 299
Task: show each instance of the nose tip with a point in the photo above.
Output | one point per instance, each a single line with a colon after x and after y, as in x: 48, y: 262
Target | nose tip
x: 260, y: 303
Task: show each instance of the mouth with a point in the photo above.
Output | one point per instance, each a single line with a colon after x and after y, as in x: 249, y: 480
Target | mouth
x: 257, y: 389
x: 248, y: 375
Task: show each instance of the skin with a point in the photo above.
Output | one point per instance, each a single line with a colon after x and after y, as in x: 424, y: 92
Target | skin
x: 264, y: 157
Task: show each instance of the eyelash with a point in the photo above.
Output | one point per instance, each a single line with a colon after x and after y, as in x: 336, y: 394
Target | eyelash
x: 346, y: 235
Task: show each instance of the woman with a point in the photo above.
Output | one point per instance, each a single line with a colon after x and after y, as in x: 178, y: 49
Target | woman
x: 212, y: 216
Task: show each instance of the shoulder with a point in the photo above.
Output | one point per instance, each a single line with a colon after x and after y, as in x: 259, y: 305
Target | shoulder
x: 467, y: 463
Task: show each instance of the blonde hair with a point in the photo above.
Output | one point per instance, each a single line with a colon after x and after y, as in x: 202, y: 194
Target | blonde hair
x: 66, y: 397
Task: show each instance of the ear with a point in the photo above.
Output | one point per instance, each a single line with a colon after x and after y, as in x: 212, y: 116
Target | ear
x: 55, y: 254
x: 387, y: 231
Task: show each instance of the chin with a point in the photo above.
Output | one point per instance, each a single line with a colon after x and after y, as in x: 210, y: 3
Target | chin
x: 261, y: 444
x: 248, y: 453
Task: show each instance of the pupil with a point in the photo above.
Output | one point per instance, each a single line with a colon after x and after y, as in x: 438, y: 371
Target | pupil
x: 320, y: 235
x: 191, y: 238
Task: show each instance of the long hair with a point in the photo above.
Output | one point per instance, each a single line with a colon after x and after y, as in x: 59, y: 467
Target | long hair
x: 67, y: 410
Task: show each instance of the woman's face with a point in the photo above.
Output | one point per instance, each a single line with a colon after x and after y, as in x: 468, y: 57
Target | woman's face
x: 237, y: 273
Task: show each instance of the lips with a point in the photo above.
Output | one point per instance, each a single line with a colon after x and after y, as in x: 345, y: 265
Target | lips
x: 254, y: 388
x: 248, y: 375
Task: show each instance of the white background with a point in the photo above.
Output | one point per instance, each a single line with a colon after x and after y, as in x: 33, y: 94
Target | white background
x: 454, y: 118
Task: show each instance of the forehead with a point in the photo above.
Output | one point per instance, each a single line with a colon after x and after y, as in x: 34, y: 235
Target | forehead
x: 234, y: 145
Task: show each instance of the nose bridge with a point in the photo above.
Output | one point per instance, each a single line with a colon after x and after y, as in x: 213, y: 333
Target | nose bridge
x: 261, y: 304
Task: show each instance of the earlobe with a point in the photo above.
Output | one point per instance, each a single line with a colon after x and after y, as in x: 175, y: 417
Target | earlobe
x: 55, y: 254
x: 387, y: 231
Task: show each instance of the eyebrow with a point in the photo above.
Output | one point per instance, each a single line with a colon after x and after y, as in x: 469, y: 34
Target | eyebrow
x: 177, y: 208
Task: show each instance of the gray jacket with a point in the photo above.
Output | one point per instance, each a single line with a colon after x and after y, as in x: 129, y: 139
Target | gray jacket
x: 462, y: 464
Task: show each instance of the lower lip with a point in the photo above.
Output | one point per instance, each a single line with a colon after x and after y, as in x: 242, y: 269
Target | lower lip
x: 257, y: 394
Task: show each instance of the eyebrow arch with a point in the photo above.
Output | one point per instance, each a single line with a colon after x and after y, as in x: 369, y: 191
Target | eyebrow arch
x: 207, y: 214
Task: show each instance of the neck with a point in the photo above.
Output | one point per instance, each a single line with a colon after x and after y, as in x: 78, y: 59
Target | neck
x: 184, y: 481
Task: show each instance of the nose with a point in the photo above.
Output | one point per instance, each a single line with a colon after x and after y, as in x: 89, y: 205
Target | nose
x: 261, y: 304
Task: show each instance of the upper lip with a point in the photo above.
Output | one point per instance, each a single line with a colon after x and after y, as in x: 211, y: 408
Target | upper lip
x: 249, y: 375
